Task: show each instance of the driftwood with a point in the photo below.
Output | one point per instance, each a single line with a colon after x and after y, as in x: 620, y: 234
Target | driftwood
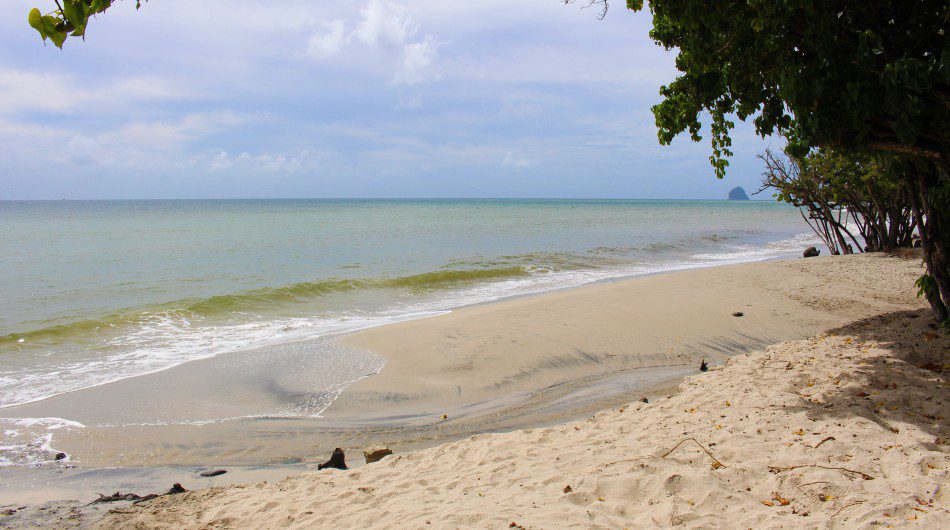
x: 117, y: 497
x: 337, y: 460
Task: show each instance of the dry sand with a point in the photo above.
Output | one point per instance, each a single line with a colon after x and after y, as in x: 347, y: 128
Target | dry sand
x: 844, y: 429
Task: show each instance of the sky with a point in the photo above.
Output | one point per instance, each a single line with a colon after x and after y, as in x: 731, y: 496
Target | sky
x: 352, y: 98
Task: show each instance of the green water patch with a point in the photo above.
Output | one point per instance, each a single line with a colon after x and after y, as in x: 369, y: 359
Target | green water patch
x: 269, y: 300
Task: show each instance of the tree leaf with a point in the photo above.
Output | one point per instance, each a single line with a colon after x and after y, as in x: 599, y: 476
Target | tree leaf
x: 36, y: 21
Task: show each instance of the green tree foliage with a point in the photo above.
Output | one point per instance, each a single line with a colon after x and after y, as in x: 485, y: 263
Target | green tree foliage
x: 851, y: 74
x: 68, y: 19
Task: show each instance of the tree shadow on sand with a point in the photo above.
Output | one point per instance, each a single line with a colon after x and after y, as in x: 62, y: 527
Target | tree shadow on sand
x: 905, y: 386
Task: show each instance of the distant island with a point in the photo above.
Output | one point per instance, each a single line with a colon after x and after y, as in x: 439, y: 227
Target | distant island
x: 738, y: 194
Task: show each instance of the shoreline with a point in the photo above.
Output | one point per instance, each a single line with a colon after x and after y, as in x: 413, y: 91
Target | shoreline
x: 417, y: 424
x: 336, y: 336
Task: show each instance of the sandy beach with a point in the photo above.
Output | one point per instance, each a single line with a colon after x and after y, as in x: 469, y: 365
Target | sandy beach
x: 844, y: 396
x: 847, y: 428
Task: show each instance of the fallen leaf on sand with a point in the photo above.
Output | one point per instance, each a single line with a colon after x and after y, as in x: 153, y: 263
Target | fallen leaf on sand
x: 768, y: 503
x: 781, y: 500
x: 826, y: 498
x: 800, y: 432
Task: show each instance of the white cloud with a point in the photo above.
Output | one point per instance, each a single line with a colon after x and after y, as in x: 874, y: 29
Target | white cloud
x: 132, y: 145
x: 268, y: 163
x: 161, y: 133
x: 386, y: 29
x: 384, y: 22
x: 328, y: 42
x: 85, y: 150
x: 62, y: 93
x: 417, y: 58
x: 515, y: 161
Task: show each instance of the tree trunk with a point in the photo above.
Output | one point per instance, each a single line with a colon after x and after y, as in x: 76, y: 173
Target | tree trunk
x: 931, y: 200
x: 842, y: 244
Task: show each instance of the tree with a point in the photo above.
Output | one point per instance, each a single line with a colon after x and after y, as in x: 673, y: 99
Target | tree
x: 851, y: 75
x: 843, y: 197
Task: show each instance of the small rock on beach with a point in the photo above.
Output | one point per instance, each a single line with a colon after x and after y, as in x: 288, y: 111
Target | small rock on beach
x: 375, y: 453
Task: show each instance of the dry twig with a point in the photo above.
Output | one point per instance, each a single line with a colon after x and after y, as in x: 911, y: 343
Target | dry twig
x: 846, y: 506
x: 716, y: 460
x: 865, y: 476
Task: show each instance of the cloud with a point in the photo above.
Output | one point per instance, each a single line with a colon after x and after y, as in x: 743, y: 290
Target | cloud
x: 131, y: 145
x: 415, y: 65
x: 85, y: 150
x: 515, y: 161
x: 22, y: 91
x: 384, y: 22
x: 268, y: 163
x: 134, y: 111
x: 169, y: 133
x: 387, y: 31
x: 328, y: 42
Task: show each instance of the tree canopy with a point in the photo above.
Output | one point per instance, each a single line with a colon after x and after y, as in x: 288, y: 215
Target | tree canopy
x: 850, y: 74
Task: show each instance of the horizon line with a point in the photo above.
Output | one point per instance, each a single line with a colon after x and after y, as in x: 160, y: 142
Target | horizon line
x: 141, y: 199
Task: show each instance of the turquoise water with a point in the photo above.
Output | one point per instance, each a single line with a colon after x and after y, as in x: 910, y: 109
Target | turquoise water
x: 94, y: 292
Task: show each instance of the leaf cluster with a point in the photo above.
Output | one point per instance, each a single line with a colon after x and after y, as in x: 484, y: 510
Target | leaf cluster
x: 69, y: 19
x: 849, y: 74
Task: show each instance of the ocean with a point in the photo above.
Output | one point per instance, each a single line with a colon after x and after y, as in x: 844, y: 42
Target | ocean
x: 99, y: 291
